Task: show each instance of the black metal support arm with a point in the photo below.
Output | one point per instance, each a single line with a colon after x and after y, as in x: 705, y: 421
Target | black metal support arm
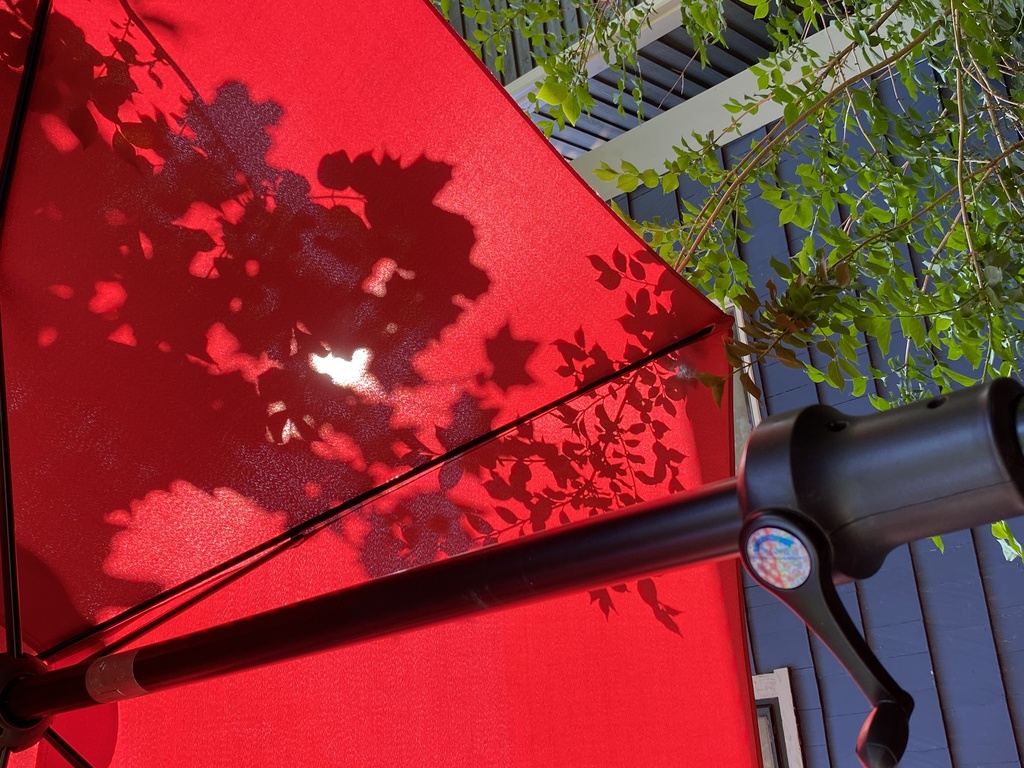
x: 691, y: 528
x: 821, y: 498
x: 827, y: 496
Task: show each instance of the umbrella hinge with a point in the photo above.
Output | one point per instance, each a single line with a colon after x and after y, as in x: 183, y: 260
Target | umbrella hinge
x: 791, y: 558
x: 826, y: 496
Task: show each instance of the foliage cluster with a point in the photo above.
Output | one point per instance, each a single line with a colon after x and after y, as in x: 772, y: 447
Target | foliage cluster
x: 561, y: 49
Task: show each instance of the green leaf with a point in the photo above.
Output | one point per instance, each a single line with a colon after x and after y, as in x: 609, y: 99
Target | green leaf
x: 552, y: 92
x: 849, y: 369
x: 971, y: 349
x: 960, y: 378
x: 880, y: 403
x: 834, y: 375
x: 803, y: 216
x: 571, y: 108
x: 781, y: 268
x: 937, y: 541
x: 649, y: 178
x: 791, y: 112
x: 627, y: 182
x: 913, y: 329
x: 881, y: 329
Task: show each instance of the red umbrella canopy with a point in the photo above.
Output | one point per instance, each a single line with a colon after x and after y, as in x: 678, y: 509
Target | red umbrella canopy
x: 274, y: 276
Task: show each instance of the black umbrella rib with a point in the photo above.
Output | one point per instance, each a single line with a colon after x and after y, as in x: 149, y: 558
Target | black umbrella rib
x: 8, y: 556
x: 21, y: 105
x: 66, y: 750
x: 206, y: 591
x: 283, y: 541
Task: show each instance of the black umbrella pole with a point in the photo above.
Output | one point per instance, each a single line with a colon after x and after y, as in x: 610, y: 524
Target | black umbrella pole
x: 646, y: 539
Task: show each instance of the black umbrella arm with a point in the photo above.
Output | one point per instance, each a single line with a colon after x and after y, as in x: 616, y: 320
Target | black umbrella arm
x: 820, y: 498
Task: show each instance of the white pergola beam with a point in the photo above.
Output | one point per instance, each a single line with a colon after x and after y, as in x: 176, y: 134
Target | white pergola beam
x: 663, y: 18
x: 649, y: 144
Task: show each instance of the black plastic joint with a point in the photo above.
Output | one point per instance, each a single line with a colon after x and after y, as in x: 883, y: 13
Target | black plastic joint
x: 16, y: 735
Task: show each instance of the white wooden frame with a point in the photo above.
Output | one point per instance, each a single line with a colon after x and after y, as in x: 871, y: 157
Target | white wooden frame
x: 776, y: 685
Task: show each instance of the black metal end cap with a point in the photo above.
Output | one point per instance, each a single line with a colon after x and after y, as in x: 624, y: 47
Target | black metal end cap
x: 16, y: 735
x: 884, y: 735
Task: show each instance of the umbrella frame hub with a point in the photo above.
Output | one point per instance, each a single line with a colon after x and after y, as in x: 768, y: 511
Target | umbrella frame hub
x: 17, y: 735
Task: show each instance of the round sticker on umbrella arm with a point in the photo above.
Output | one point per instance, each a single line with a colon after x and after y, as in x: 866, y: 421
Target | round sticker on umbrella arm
x: 778, y: 557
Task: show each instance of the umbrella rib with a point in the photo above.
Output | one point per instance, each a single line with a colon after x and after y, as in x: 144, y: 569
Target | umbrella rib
x: 66, y: 750
x: 177, y: 610
x: 283, y: 541
x: 8, y: 546
x: 21, y: 105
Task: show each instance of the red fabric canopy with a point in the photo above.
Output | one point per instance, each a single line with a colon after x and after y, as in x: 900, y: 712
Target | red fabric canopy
x: 266, y: 266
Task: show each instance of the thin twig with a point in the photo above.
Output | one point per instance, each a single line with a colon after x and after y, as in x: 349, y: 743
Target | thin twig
x: 961, y: 143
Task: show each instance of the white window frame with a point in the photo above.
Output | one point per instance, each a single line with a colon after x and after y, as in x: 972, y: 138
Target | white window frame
x: 775, y: 687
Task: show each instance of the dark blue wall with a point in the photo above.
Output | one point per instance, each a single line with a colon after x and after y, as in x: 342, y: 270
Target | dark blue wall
x: 949, y: 627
